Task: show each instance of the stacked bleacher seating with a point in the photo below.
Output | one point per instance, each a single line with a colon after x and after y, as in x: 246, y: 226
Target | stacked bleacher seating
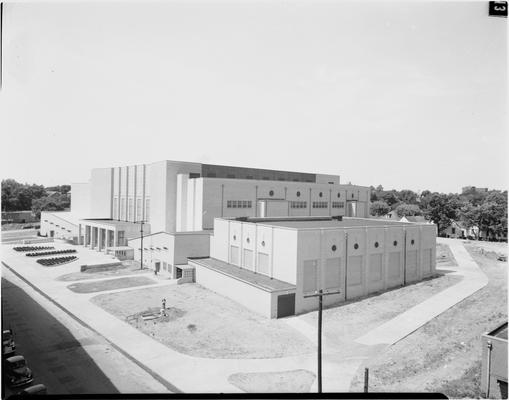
x: 53, y: 262
x: 50, y: 253
x: 32, y: 248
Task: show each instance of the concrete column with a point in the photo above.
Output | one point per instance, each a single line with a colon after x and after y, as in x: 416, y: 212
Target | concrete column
x: 99, y: 238
x: 87, y: 235
x: 115, y: 238
x: 92, y: 236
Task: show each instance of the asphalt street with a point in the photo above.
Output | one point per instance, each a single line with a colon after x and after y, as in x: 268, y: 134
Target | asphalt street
x: 56, y: 358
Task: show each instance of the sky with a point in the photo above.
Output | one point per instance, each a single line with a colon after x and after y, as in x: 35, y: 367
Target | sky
x: 409, y: 95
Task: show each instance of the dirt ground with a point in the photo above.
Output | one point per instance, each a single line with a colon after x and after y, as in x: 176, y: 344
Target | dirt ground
x: 206, y: 324
x: 348, y: 321
x: 444, y: 355
x: 297, y: 381
x: 112, y: 284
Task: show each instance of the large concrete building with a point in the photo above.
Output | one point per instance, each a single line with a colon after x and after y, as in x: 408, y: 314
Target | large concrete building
x: 173, y: 197
x: 262, y: 237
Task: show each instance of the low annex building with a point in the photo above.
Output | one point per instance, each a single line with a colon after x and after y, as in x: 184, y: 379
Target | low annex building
x: 269, y: 264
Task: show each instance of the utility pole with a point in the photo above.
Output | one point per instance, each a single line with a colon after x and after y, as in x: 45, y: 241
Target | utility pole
x: 141, y: 242
x: 320, y: 293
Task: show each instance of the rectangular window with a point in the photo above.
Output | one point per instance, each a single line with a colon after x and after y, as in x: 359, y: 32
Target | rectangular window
x: 229, y: 204
x: 230, y: 176
x: 234, y: 203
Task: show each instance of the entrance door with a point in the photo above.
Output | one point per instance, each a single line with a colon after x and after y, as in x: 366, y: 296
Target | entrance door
x: 157, y: 266
x: 51, y: 233
x: 285, y: 305
x: 178, y: 272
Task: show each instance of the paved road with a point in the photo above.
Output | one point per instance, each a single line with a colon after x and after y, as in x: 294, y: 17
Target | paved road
x: 57, y: 359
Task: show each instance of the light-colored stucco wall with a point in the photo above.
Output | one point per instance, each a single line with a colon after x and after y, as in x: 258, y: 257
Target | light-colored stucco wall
x: 366, y: 259
x: 208, y: 198
x: 101, y: 190
x: 243, y: 293
x: 80, y: 198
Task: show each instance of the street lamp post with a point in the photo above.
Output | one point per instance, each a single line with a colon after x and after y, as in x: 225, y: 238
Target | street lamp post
x: 320, y: 293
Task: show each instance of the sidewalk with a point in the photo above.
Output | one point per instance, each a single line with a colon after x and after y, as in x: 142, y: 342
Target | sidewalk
x: 411, y: 320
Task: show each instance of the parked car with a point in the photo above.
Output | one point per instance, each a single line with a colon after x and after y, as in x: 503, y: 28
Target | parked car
x: 8, y: 345
x: 16, y: 371
x: 34, y: 390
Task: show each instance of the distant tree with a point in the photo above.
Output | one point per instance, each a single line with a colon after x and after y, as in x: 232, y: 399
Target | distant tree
x: 442, y: 209
x: 469, y: 216
x: 58, y: 202
x: 493, y: 214
x: 18, y: 197
x: 407, y: 197
x: 405, y: 210
x: 379, y: 208
x: 391, y: 198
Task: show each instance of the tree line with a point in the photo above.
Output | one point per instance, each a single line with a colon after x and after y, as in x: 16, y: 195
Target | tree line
x: 473, y: 208
x: 18, y: 196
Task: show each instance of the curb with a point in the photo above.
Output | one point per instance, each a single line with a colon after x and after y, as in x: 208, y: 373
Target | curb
x: 155, y: 375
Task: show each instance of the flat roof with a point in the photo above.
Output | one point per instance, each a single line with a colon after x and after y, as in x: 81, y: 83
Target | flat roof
x: 111, y: 222
x: 259, y: 280
x: 325, y: 222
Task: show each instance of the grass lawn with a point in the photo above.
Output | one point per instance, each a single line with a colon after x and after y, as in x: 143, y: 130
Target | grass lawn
x: 111, y: 284
x: 205, y: 324
x: 444, y: 355
x: 296, y: 381
x: 127, y: 269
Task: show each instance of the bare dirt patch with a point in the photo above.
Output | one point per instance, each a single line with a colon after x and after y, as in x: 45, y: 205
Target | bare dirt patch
x: 209, y: 325
x: 444, y: 355
x: 444, y: 255
x: 296, y: 381
x: 350, y: 320
x: 110, y: 284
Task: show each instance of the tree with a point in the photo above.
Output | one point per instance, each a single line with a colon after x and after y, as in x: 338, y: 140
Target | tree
x: 19, y: 197
x: 379, y: 208
x: 493, y: 214
x: 58, y: 202
x: 407, y: 197
x: 391, y: 198
x: 405, y: 210
x: 442, y: 209
x: 469, y: 216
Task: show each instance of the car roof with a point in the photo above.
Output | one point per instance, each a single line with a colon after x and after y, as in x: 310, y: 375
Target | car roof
x: 15, y: 359
x: 34, y: 388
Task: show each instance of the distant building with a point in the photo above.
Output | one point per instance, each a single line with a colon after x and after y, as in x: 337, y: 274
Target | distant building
x: 415, y: 218
x: 18, y: 217
x: 473, y: 188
